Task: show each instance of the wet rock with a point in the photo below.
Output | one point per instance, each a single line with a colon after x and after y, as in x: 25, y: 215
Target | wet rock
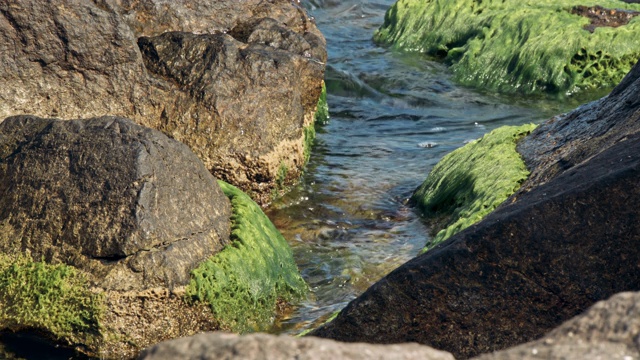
x: 569, y: 238
x: 264, y: 346
x: 608, y: 330
x: 243, y: 107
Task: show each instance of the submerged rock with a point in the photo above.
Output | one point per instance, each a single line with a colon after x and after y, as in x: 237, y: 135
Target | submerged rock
x: 567, y: 239
x: 264, y: 346
x: 236, y: 81
x: 514, y: 46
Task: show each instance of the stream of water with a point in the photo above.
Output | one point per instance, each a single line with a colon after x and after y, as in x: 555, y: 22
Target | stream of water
x: 393, y: 117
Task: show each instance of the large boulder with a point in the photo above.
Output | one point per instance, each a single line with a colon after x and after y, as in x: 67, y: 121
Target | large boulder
x: 236, y: 81
x: 608, y: 330
x: 108, y: 205
x: 569, y: 238
x: 560, y: 47
x: 126, y: 204
x: 114, y: 237
x: 263, y: 346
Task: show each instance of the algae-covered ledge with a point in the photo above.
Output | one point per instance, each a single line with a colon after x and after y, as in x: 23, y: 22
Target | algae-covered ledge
x: 470, y: 182
x: 520, y: 46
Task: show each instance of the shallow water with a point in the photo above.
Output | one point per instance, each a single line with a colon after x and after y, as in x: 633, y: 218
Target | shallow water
x: 393, y: 116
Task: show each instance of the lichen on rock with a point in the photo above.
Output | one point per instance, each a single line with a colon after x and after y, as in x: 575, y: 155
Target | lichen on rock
x: 470, y: 182
x: 518, y: 46
x: 244, y: 283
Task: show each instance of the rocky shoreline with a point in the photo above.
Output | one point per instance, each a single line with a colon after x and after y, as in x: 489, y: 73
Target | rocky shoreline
x: 140, y: 140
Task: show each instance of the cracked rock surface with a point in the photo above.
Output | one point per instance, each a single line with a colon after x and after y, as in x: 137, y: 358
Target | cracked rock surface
x: 126, y: 204
x: 569, y: 238
x: 237, y: 81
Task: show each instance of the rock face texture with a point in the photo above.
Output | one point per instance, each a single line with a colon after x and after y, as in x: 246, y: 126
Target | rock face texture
x: 568, y: 239
x: 236, y: 81
x: 608, y: 330
x: 262, y: 346
x: 120, y: 201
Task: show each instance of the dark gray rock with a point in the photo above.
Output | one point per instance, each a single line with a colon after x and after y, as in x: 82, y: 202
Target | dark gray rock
x: 570, y: 238
x: 573, y: 138
x: 608, y: 330
x: 80, y: 59
x: 135, y: 209
x: 263, y: 346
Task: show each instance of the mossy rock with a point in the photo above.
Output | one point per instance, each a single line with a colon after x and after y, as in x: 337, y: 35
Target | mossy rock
x: 512, y: 46
x: 246, y: 281
x: 52, y: 299
x: 470, y: 182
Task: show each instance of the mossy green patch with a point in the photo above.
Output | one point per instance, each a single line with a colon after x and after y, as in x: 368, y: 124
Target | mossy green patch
x: 245, y: 281
x: 51, y: 298
x: 309, y: 137
x: 322, y: 109
x: 321, y: 117
x: 470, y: 182
x: 525, y: 46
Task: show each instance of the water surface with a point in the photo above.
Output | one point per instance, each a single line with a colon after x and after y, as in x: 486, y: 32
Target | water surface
x: 393, y: 116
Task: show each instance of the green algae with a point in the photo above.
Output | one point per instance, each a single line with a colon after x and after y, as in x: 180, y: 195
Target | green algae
x: 470, y: 182
x: 52, y: 298
x: 244, y: 282
x: 322, y: 109
x: 321, y: 117
x: 528, y: 46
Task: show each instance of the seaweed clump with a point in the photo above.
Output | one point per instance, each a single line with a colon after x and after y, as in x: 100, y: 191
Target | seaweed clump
x: 246, y: 282
x: 520, y: 46
x: 470, y: 182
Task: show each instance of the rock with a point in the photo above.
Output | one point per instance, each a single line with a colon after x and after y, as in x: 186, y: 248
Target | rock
x: 120, y: 231
x: 244, y: 102
x: 608, y: 330
x: 561, y: 47
x: 125, y: 203
x: 571, y: 139
x: 569, y: 238
x: 263, y: 346
x: 133, y: 210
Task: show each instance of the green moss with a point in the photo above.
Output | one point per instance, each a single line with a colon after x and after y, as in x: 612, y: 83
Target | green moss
x: 322, y: 109
x: 470, y: 182
x: 516, y: 45
x: 52, y: 298
x: 309, y: 137
x: 245, y: 281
